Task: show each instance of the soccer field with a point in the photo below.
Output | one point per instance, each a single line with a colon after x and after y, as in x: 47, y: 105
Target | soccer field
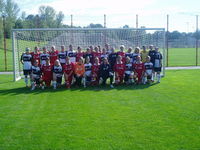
x: 177, y: 57
x: 160, y: 117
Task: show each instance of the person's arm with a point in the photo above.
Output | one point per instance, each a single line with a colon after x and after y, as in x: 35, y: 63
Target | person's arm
x: 21, y: 60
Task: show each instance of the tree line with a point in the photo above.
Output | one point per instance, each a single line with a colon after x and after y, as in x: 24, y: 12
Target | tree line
x: 47, y: 17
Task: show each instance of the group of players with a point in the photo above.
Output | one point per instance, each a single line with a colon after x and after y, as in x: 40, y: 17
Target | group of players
x: 92, y: 67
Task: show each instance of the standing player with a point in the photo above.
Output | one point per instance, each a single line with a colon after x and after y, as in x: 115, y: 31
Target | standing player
x: 95, y: 71
x: 26, y: 60
x: 148, y: 74
x: 53, y: 54
x: 71, y: 54
x: 119, y: 69
x: 112, y: 58
x: 105, y: 72
x: 128, y: 79
x: 57, y: 74
x: 157, y: 64
x: 62, y: 55
x: 47, y: 73
x: 129, y: 54
x: 88, y: 54
x: 88, y: 72
x: 104, y: 55
x: 79, y: 54
x: 96, y: 53
x: 44, y: 56
x: 36, y: 76
x: 144, y: 53
x: 136, y: 54
x: 152, y: 53
x: 122, y: 53
x: 138, y: 67
x: 36, y: 55
x: 79, y: 70
x: 68, y: 70
x: 108, y: 50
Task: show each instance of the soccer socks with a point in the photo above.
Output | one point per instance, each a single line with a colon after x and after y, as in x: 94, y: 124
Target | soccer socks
x: 33, y: 85
x: 158, y: 78
x: 54, y: 84
x: 26, y: 81
x: 84, y: 82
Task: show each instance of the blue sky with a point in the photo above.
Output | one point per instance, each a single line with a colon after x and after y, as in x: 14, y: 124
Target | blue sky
x: 152, y: 13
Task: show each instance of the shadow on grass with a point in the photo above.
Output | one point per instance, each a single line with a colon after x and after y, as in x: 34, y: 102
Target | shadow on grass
x: 25, y: 90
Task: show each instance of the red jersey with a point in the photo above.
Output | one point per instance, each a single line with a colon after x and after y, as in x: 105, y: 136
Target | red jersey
x: 95, y: 68
x: 123, y: 56
x: 35, y: 56
x: 47, y: 71
x: 96, y: 54
x: 79, y: 55
x: 68, y: 68
x: 53, y: 56
x: 139, y: 67
x: 119, y: 68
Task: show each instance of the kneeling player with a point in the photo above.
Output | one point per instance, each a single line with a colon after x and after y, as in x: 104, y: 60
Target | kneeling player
x: 57, y: 74
x: 47, y: 73
x: 95, y: 71
x: 128, y: 79
x: 68, y: 69
x: 138, y: 69
x: 148, y: 74
x: 79, y: 70
x: 36, y: 75
x: 88, y: 72
x: 106, y: 72
x: 119, y: 69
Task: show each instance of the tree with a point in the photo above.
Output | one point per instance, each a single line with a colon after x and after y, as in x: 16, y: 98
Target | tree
x: 59, y: 18
x: 48, y: 16
x: 11, y: 11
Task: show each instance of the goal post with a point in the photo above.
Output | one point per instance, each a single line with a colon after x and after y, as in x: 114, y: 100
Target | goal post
x: 83, y: 37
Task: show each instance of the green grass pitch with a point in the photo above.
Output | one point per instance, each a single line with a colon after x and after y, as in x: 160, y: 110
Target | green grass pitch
x: 163, y: 116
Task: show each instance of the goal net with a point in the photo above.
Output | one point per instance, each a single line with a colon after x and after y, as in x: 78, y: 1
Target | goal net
x: 83, y: 37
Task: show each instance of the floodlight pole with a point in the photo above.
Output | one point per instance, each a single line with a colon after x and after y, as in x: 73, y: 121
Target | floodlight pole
x: 4, y: 40
x: 167, y: 42
x: 197, y: 41
x: 105, y: 40
x: 71, y: 16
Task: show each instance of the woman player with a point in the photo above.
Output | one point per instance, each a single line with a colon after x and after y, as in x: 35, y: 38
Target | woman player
x: 119, y: 69
x: 47, y: 73
x: 57, y: 74
x: 36, y: 76
x: 79, y: 70
x: 68, y: 69
x: 138, y: 67
x: 95, y: 71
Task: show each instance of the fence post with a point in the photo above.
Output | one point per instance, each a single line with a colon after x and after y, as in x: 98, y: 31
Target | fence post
x: 197, y: 20
x: 4, y: 40
x: 167, y: 42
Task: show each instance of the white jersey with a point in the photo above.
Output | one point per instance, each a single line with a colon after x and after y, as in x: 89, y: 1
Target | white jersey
x: 134, y: 57
x: 43, y: 58
x: 129, y: 69
x: 158, y: 58
x: 88, y: 69
x: 36, y: 72
x: 72, y: 56
x: 62, y: 57
x: 148, y: 67
x: 26, y: 58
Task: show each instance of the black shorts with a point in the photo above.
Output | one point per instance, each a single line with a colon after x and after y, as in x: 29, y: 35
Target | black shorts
x: 37, y: 80
x: 59, y: 80
x: 27, y: 72
x: 126, y: 78
x: 88, y: 78
x: 149, y: 77
x: 158, y: 69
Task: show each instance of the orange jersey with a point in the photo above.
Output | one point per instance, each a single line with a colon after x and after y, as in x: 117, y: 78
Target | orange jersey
x: 79, y: 69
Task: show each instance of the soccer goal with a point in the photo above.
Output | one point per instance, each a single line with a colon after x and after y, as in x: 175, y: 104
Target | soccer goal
x: 84, y: 37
